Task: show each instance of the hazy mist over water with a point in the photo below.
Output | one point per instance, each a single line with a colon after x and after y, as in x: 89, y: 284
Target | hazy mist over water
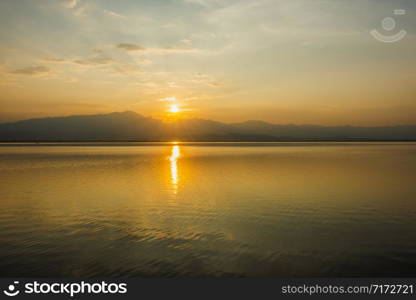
x: 217, y: 209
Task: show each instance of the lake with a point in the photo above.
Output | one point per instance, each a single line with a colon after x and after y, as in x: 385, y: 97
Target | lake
x: 208, y: 209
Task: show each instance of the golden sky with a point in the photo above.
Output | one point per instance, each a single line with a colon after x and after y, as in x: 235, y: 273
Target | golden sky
x: 281, y: 61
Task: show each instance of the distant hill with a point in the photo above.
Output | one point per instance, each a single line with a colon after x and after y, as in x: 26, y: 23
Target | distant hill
x: 130, y: 126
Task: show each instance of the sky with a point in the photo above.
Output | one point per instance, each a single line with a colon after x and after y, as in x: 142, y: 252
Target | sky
x: 280, y: 61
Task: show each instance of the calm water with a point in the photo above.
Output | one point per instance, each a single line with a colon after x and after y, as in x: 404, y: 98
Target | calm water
x: 288, y: 209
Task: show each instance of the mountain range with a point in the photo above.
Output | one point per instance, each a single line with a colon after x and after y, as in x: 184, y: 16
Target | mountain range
x: 130, y: 126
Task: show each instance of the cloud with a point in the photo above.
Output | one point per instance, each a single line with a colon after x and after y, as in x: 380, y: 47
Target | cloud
x: 200, y: 78
x: 31, y: 71
x: 169, y: 25
x: 174, y: 49
x: 51, y: 59
x: 187, y: 41
x: 101, y: 60
x: 90, y: 61
x: 113, y: 14
x: 126, y: 69
x: 94, y: 61
x: 79, y: 8
x: 205, y: 3
x: 143, y: 61
x: 168, y: 99
x: 71, y: 3
x: 130, y: 47
x: 158, y: 50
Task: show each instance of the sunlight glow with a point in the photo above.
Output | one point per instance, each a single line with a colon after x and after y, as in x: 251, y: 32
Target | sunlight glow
x: 174, y: 108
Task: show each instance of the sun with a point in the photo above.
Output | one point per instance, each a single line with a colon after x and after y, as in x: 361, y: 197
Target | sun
x: 174, y: 108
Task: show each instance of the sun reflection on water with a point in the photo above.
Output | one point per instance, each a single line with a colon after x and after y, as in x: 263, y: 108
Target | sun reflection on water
x: 174, y: 174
